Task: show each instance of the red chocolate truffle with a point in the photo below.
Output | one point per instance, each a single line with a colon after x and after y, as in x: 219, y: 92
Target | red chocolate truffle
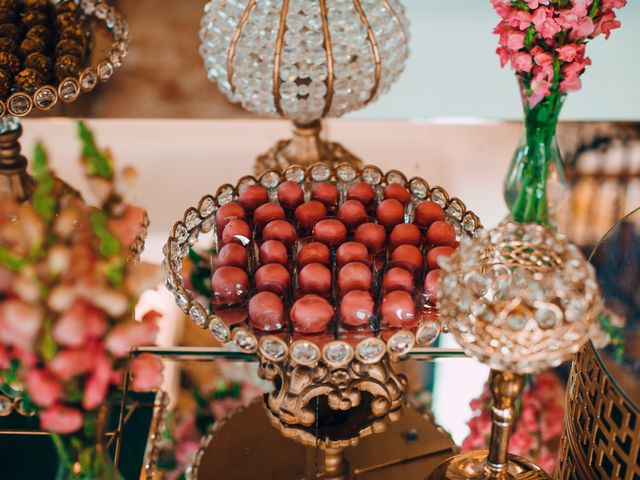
x: 352, y: 213
x: 311, y: 314
x: 273, y: 251
x: 265, y: 213
x: 326, y: 193
x: 310, y: 213
x: 280, y: 230
x: 266, y: 312
x: 441, y: 233
x: 272, y: 277
x: 435, y: 253
x: 228, y: 212
x: 354, y: 276
x: 253, y: 197
x: 398, y: 310
x: 397, y: 278
x: 363, y: 192
x: 315, y: 278
x: 428, y: 212
x: 229, y: 284
x: 232, y: 255
x: 356, y: 308
x: 431, y: 285
x: 390, y: 213
x: 408, y: 257
x: 330, y: 231
x: 351, y: 252
x: 290, y: 194
x: 405, y: 234
x: 314, y: 252
x: 236, y: 231
x: 372, y: 236
x: 397, y: 191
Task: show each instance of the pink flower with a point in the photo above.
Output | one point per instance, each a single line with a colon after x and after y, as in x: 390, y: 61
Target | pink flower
x: 532, y: 4
x: 185, y: 427
x: 5, y: 359
x: 522, y: 62
x: 515, y: 41
x: 95, y: 390
x: 503, y: 7
x: 606, y: 23
x: 568, y: 53
x: 61, y: 419
x: 126, y: 337
x: 71, y: 362
x: 146, y: 372
x: 79, y: 324
x: 540, y: 57
x: 583, y: 29
x: 609, y: 4
x: 519, y: 19
x: 19, y: 323
x: 544, y: 23
x: 186, y: 451
x: 129, y: 226
x: 529, y: 419
x: 505, y: 56
x: 223, y: 406
x: 547, y: 461
x: 522, y: 442
x: 43, y: 388
x: 581, y: 7
x: 551, y: 423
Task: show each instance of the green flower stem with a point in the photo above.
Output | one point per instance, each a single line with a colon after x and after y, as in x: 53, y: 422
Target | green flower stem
x: 540, y: 124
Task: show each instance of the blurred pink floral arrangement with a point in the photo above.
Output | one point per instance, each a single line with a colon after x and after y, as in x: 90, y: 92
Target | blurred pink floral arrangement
x: 538, y: 423
x: 544, y: 41
x: 185, y: 427
x: 67, y: 295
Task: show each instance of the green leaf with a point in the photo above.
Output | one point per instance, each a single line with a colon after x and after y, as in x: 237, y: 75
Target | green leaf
x: 98, y: 161
x: 115, y: 273
x: 10, y: 260
x: 49, y: 346
x: 43, y: 201
x: 109, y: 245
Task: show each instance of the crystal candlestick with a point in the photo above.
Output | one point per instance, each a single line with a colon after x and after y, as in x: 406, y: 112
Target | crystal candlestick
x: 520, y: 299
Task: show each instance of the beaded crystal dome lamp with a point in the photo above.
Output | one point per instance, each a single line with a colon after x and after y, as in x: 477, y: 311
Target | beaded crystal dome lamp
x: 51, y: 52
x: 304, y: 60
x: 325, y: 273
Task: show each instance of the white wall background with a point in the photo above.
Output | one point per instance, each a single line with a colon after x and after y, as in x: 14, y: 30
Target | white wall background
x: 453, y: 70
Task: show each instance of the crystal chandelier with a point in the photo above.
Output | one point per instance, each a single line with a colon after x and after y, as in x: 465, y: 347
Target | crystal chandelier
x: 304, y: 60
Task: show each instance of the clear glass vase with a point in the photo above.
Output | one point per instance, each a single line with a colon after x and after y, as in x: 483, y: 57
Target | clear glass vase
x: 84, y: 455
x: 535, y: 183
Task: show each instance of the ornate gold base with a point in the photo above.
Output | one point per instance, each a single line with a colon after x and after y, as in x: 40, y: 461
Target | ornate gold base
x: 472, y: 466
x: 14, y: 179
x: 246, y: 445
x: 305, y: 148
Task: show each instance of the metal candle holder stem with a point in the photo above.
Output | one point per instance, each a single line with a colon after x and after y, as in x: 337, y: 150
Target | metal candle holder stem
x: 520, y: 299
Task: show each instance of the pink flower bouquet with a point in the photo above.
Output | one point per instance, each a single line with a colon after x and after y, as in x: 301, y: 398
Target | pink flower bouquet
x: 67, y: 296
x: 538, y: 425
x: 544, y: 42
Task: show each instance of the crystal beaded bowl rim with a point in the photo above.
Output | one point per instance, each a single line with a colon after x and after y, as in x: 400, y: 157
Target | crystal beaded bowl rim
x: 201, y: 220
x: 20, y: 104
x: 540, y: 271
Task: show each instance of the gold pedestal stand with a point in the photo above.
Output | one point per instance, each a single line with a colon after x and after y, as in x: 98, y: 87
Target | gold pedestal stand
x: 496, y: 463
x: 305, y: 148
x: 14, y: 179
x: 247, y: 445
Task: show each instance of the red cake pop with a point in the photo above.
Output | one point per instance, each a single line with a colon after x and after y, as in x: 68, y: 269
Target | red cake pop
x: 372, y: 236
x: 232, y: 255
x: 236, y: 231
x: 272, y: 277
x: 407, y: 257
x: 363, y: 192
x: 397, y: 278
x: 398, y: 310
x: 273, y: 251
x: 441, y: 233
x: 314, y: 252
x: 405, y: 234
x: 290, y: 194
x: 435, y: 253
x: 397, y: 191
x: 390, y: 212
x: 280, y: 230
x: 354, y: 276
x: 326, y: 193
x: 428, y: 212
x: 310, y: 213
x: 315, y: 278
x: 227, y: 212
x: 253, y: 197
x: 431, y: 285
x: 266, y: 312
x: 330, y: 231
x: 356, y: 308
x: 351, y: 252
x: 311, y: 314
x: 352, y: 213
x: 229, y: 284
x: 265, y: 213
